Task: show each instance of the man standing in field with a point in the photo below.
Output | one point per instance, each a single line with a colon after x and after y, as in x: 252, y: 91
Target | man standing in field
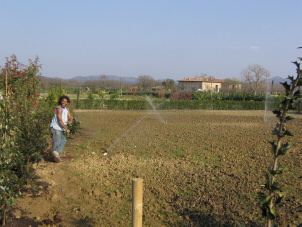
x: 59, y: 129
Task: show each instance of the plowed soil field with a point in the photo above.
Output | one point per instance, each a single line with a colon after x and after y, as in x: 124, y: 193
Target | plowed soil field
x: 200, y: 168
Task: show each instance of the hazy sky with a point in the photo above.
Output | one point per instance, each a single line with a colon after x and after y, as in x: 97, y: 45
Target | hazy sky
x: 162, y: 38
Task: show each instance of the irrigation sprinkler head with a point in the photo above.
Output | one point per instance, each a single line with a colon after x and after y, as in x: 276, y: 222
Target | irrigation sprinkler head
x: 105, y: 152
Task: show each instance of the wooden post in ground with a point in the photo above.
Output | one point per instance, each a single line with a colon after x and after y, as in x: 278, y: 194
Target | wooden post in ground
x: 137, y: 202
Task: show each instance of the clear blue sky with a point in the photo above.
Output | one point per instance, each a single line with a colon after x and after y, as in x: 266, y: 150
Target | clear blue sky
x: 162, y: 38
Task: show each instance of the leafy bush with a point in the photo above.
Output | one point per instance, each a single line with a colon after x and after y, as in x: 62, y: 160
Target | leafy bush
x: 23, y: 126
x: 127, y: 104
x: 174, y: 104
x: 181, y: 96
x: 54, y: 95
x: 74, y: 128
x: 207, y: 95
x: 114, y: 95
x: 88, y: 104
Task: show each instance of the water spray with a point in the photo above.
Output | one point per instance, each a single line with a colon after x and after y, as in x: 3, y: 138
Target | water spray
x: 106, y: 151
x: 154, y: 109
x: 268, y: 115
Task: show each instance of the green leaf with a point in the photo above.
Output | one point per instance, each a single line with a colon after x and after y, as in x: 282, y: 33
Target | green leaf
x: 275, y: 132
x: 267, y: 212
x: 277, y: 112
x: 274, y: 147
x: 276, y: 187
x: 297, y: 94
x: 300, y: 81
x: 286, y: 86
x: 261, y: 196
x: 264, y: 211
x: 288, y: 133
x: 266, y: 200
x: 291, y: 106
x: 280, y: 197
x: 288, y: 118
x: 268, y: 181
x: 291, y: 78
x: 284, y: 149
x: 278, y: 125
x: 271, y: 214
x: 283, y: 103
x: 272, y: 172
x: 279, y: 171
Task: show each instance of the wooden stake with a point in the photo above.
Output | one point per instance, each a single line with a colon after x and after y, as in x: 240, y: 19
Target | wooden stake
x: 137, y: 202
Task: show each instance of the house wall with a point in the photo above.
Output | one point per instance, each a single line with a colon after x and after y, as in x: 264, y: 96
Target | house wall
x: 235, y: 86
x: 190, y: 86
x: 207, y: 86
x: 195, y: 85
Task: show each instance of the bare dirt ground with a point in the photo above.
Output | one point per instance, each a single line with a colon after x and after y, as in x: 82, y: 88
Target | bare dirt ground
x: 200, y: 168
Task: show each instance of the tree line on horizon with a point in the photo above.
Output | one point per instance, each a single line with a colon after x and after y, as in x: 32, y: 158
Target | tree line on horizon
x: 253, y: 80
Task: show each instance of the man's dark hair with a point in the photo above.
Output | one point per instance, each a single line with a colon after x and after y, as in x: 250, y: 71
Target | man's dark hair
x: 63, y: 97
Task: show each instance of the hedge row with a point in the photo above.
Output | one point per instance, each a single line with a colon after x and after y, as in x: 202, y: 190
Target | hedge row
x: 172, y: 104
x: 214, y: 105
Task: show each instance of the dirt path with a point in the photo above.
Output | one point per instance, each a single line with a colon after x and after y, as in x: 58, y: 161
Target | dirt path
x: 57, y: 196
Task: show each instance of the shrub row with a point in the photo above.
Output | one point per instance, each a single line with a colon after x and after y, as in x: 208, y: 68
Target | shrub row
x: 87, y: 103
x: 205, y: 95
x: 172, y: 104
x: 214, y: 105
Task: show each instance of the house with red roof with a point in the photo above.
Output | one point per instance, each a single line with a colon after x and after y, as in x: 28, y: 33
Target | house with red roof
x: 200, y: 84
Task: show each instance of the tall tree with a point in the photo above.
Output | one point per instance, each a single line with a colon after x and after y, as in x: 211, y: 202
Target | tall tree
x: 145, y: 81
x: 203, y: 75
x: 103, y: 78
x: 231, y: 85
x: 122, y: 85
x: 255, y: 76
x: 168, y: 84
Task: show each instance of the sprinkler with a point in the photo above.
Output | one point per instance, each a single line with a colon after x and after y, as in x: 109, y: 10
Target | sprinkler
x: 105, y: 152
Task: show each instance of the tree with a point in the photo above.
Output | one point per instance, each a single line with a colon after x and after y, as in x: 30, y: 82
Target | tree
x: 122, y: 85
x: 168, y: 84
x: 145, y: 81
x: 274, y: 193
x: 255, y: 76
x: 203, y: 75
x: 231, y: 85
x: 103, y: 78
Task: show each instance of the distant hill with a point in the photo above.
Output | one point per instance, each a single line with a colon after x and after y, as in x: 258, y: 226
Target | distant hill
x: 276, y: 79
x: 130, y: 80
x: 127, y: 80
